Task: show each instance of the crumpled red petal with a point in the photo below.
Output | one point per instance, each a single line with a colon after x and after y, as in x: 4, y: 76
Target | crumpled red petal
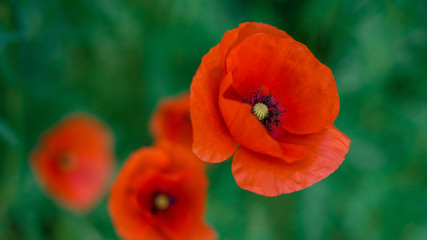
x: 271, y: 176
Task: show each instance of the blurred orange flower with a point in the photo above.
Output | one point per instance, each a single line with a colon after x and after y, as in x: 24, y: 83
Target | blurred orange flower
x: 160, y: 193
x: 73, y: 161
x: 263, y: 95
x: 171, y: 120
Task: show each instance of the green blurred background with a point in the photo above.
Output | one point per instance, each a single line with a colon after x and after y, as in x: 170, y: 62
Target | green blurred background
x: 116, y: 59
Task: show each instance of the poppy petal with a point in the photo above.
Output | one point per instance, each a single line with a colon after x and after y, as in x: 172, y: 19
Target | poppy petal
x: 187, y: 192
x: 235, y: 36
x: 213, y: 143
x: 288, y: 70
x: 79, y: 184
x: 249, y: 131
x: 270, y: 176
x: 123, y: 203
x: 171, y: 120
x: 204, y: 232
x: 165, y: 168
x: 211, y: 140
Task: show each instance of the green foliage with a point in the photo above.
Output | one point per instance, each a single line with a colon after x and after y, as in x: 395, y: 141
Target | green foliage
x: 116, y: 59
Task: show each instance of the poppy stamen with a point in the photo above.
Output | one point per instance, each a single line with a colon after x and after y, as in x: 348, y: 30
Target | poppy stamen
x: 266, y: 108
x: 260, y: 110
x: 162, y: 202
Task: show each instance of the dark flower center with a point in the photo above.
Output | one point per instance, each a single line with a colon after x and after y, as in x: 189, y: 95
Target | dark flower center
x: 67, y: 162
x: 162, y: 202
x: 266, y: 108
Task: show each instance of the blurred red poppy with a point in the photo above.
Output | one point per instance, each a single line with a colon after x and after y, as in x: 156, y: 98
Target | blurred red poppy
x: 160, y: 193
x: 264, y: 95
x: 171, y: 121
x: 73, y: 161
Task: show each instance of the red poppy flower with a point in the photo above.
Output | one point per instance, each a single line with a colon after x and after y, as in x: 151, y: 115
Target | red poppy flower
x: 171, y: 121
x: 160, y: 193
x: 264, y: 93
x: 74, y: 161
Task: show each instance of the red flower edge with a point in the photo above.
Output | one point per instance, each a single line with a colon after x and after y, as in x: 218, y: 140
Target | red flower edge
x: 74, y: 161
x: 160, y: 193
x: 290, y: 143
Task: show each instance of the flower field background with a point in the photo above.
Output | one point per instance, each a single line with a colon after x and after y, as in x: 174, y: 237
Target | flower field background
x: 116, y: 59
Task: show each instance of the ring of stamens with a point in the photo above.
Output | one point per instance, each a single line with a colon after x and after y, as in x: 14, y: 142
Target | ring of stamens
x: 266, y: 108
